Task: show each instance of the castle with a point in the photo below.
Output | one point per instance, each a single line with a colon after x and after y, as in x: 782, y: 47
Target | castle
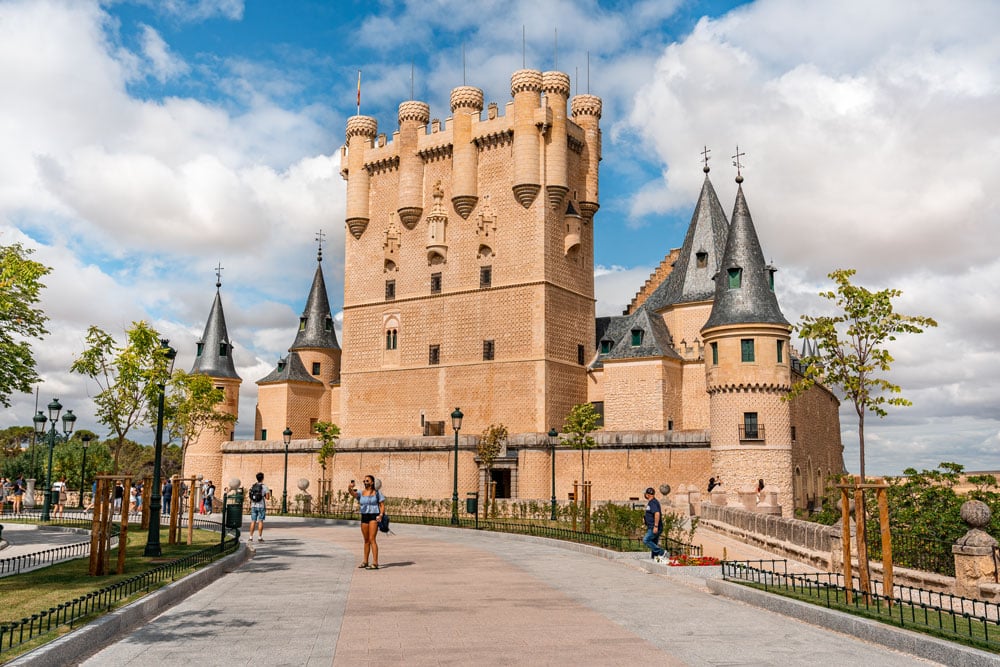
x: 469, y: 282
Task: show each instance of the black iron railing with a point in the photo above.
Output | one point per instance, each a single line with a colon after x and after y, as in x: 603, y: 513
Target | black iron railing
x: 13, y: 634
x: 912, y: 551
x: 974, y: 622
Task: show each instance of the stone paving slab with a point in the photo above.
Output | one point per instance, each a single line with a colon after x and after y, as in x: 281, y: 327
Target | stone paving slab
x: 448, y: 597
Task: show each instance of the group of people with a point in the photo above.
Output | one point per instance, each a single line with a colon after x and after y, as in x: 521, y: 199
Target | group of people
x: 13, y: 490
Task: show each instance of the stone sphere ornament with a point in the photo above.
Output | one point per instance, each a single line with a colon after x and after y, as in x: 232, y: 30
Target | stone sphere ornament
x: 234, y: 483
x: 303, y: 484
x: 976, y: 513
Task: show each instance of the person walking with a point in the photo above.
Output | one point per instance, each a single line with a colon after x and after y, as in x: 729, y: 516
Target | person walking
x: 372, y: 508
x: 209, y: 496
x: 18, y: 494
x: 259, y: 495
x: 653, y: 520
x: 166, y: 494
x: 60, y: 493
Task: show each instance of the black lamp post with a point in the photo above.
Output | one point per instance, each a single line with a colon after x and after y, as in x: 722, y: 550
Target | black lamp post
x: 83, y: 468
x: 155, y: 501
x: 456, y: 423
x: 286, y: 435
x: 553, y: 434
x: 68, y: 420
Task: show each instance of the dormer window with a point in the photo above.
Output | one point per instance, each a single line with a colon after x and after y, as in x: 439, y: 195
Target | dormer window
x: 770, y: 276
x: 223, y: 350
x: 735, y: 278
x: 201, y: 348
x: 606, y: 346
x: 302, y: 324
x: 702, y: 258
x: 636, y: 337
x: 328, y: 324
x: 281, y: 364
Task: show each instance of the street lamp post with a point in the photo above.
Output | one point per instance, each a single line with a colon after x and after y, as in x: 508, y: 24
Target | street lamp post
x: 553, y: 434
x: 456, y: 423
x: 68, y: 420
x: 286, y: 435
x: 83, y: 468
x: 155, y: 501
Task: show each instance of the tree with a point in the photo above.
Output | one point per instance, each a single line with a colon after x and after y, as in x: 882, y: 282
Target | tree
x: 580, y: 423
x: 328, y: 435
x: 851, y: 349
x: 491, y: 444
x: 191, y: 408
x: 128, y: 376
x: 20, y: 320
x: 15, y: 439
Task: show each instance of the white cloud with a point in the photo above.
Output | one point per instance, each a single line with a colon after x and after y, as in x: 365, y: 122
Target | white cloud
x: 164, y: 64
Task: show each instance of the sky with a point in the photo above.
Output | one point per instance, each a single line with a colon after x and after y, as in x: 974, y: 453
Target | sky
x: 143, y: 143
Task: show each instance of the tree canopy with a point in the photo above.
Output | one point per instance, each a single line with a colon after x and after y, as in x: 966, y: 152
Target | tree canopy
x: 581, y: 421
x: 128, y: 377
x: 851, y: 353
x: 191, y: 408
x: 328, y: 435
x: 20, y: 319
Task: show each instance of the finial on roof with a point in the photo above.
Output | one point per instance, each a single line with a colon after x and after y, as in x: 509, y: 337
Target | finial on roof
x: 704, y: 156
x: 218, y: 276
x: 738, y: 164
x: 319, y: 240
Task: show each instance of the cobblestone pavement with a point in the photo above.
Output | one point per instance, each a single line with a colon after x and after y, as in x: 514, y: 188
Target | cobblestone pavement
x: 451, y: 597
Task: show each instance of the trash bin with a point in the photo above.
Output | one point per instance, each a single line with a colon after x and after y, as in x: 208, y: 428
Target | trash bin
x: 234, y: 515
x: 472, y: 503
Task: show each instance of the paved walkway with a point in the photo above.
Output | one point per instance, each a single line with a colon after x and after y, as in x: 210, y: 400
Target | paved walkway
x: 458, y: 597
x: 25, y: 538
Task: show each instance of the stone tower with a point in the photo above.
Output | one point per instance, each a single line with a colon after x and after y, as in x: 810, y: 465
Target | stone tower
x: 747, y: 366
x: 301, y: 390
x: 214, y: 358
x: 469, y: 262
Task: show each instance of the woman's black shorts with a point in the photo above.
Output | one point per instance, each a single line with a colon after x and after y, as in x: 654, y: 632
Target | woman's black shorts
x: 365, y: 518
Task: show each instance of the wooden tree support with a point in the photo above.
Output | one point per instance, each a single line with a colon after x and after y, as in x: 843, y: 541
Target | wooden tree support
x: 100, y: 527
x: 864, y: 575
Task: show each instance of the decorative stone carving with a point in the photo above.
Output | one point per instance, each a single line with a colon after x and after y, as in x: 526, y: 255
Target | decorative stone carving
x: 437, y: 225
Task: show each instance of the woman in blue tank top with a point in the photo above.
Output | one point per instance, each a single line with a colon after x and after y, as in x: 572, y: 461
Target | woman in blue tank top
x: 372, y: 508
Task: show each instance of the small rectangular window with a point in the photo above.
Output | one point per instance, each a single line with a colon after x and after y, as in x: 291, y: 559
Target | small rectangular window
x: 328, y: 324
x: 312, y: 425
x: 636, y: 337
x: 223, y: 350
x: 488, y: 349
x: 201, y: 347
x: 435, y: 283
x: 315, y: 368
x: 715, y: 354
x: 735, y: 278
x: 302, y: 324
x: 702, y: 258
x: 605, y: 346
x: 746, y: 348
x: 485, y: 276
x: 434, y: 355
x: 781, y: 351
x: 793, y: 434
x: 263, y: 434
x: 751, y: 430
x: 390, y: 290
x: 390, y: 339
x: 599, y: 409
x: 580, y: 358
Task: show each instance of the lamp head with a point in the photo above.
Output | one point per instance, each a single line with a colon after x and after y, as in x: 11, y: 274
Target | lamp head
x: 39, y: 420
x: 55, y: 407
x: 286, y: 435
x: 553, y: 433
x: 169, y: 353
x: 86, y: 440
x: 69, y: 420
x: 456, y: 419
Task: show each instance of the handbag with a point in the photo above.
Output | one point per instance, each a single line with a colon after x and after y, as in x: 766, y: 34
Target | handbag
x: 383, y: 524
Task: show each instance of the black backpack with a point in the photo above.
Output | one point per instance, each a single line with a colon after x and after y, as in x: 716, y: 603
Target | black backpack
x: 257, y: 492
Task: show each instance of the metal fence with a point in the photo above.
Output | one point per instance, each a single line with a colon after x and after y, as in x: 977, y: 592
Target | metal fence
x: 15, y: 633
x: 908, y: 550
x: 974, y: 622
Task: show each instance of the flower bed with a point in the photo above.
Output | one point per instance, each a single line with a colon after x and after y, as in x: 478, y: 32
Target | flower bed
x: 686, y: 561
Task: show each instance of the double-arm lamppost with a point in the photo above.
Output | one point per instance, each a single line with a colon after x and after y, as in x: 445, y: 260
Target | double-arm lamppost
x: 155, y: 501
x: 286, y: 436
x: 83, y: 468
x: 553, y: 434
x: 68, y: 420
x: 456, y: 423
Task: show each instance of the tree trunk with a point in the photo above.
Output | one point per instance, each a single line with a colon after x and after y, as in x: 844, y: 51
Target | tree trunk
x: 861, y: 443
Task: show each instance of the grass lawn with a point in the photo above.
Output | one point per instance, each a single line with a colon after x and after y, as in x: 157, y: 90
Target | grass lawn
x: 31, y: 592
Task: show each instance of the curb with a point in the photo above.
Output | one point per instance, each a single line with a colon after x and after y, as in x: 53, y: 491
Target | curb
x: 899, y: 639
x: 72, y: 648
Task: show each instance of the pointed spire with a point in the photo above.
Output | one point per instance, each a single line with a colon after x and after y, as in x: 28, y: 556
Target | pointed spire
x: 744, y: 289
x: 214, y: 356
x: 700, y: 255
x: 316, y: 323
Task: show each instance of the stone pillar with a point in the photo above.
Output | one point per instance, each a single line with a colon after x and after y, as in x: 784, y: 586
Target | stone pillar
x: 586, y: 110
x: 769, y: 505
x: 974, y: 552
x: 466, y: 105
x: 719, y: 497
x: 555, y: 85
x: 28, y: 499
x: 413, y: 117
x: 525, y: 87
x: 361, y: 132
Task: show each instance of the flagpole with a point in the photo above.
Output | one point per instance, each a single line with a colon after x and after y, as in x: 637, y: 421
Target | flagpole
x: 359, y: 92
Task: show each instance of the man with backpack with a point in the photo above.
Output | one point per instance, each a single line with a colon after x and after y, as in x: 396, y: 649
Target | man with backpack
x: 259, y: 494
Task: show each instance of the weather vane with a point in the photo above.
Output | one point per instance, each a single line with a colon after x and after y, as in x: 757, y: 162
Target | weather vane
x: 738, y: 164
x: 218, y: 276
x: 320, y: 236
x: 705, y: 157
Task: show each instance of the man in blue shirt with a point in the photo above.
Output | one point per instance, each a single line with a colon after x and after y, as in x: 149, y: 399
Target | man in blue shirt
x: 653, y: 519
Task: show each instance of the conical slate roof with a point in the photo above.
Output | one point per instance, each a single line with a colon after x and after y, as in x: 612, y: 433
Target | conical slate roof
x: 654, y: 338
x: 289, y: 368
x: 699, y: 258
x: 316, y: 323
x: 215, y: 351
x: 746, y: 296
